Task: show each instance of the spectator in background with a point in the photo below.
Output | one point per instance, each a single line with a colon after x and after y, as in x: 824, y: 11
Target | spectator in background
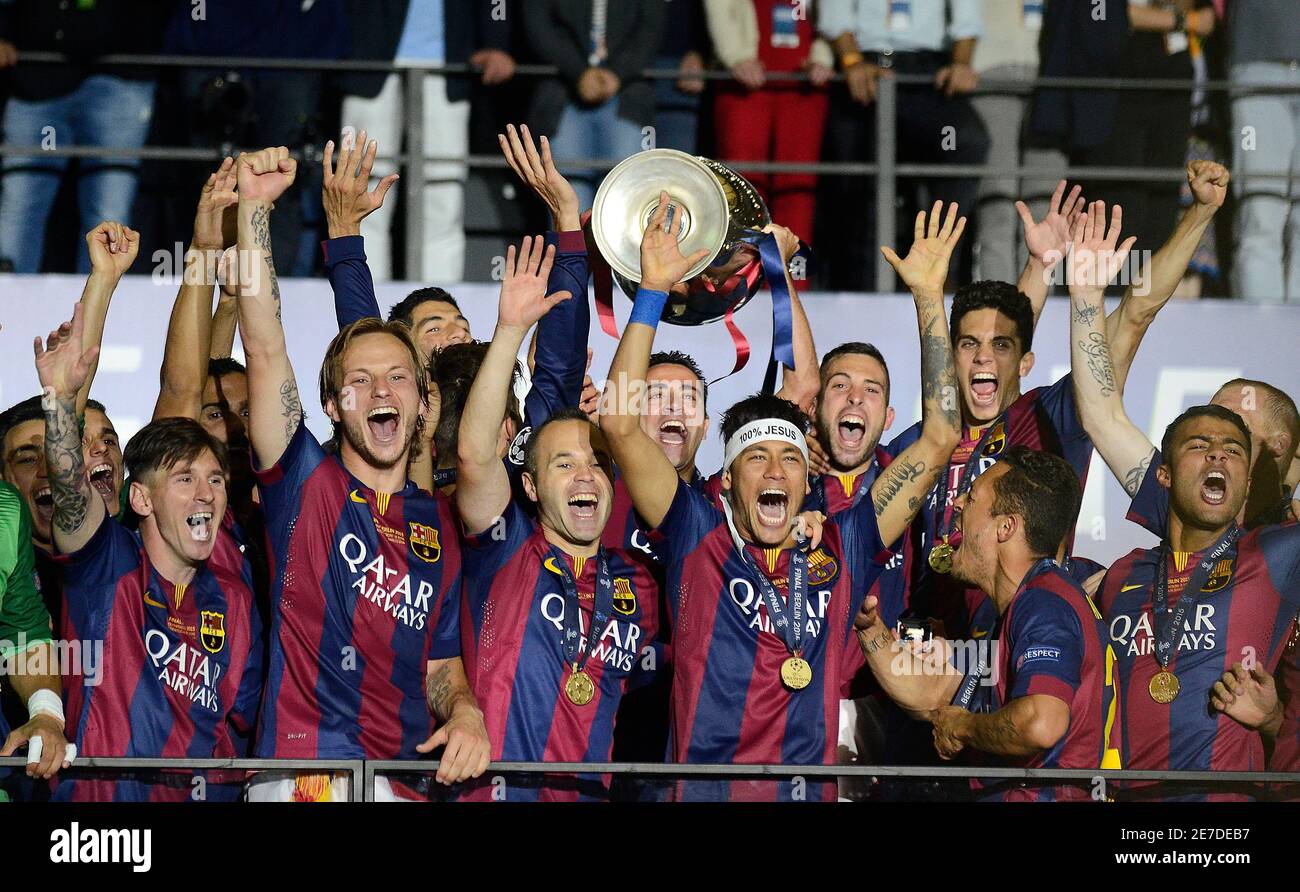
x: 1264, y: 38
x: 758, y: 119
x: 1008, y: 52
x: 936, y: 123
x: 60, y: 106
x: 677, y: 103
x: 424, y: 32
x: 599, y: 103
x: 264, y: 107
x: 1150, y: 126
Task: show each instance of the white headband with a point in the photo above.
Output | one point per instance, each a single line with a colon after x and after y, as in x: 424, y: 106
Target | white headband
x: 764, y: 429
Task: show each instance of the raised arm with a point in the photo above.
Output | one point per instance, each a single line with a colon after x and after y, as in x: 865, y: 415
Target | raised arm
x: 348, y: 199
x: 113, y: 248
x: 800, y: 384
x: 189, y: 333
x: 225, y: 318
x: 274, y: 407
x: 482, y: 483
x: 1048, y: 240
x: 651, y: 479
x: 1094, y: 259
x: 900, y: 489
x: 1128, y: 324
x: 63, y: 366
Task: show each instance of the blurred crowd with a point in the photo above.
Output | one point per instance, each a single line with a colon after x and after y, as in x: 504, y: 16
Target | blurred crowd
x: 601, y: 106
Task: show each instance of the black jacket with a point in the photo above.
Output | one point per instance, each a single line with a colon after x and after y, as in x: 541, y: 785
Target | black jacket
x: 559, y: 32
x: 375, y: 28
x: 1075, y: 44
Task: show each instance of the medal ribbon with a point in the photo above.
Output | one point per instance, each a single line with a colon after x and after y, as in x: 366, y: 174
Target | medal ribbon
x: 788, y: 624
x: 964, y: 482
x: 601, y: 610
x: 1160, y: 597
x: 972, y: 680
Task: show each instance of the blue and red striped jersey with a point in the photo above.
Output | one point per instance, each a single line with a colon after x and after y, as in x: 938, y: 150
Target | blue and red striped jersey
x: 512, y: 641
x: 728, y: 703
x: 1243, y: 611
x: 364, y: 593
x: 1051, y: 641
x: 1150, y: 510
x: 1045, y: 419
x: 182, y: 667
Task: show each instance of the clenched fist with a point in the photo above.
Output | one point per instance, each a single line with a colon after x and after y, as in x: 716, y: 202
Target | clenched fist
x: 265, y: 175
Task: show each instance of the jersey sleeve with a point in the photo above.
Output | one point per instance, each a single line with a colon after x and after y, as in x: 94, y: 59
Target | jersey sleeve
x: 1058, y: 404
x: 690, y: 518
x: 1280, y: 545
x: 281, y: 484
x: 350, y: 279
x: 860, y: 530
x: 1047, y: 648
x: 248, y: 696
x: 1150, y: 506
x: 22, y: 612
x: 487, y: 553
x: 561, y: 358
x: 111, y: 552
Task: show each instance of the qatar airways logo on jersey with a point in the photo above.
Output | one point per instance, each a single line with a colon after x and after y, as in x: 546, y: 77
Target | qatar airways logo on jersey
x: 185, y: 669
x: 379, y: 584
x: 745, y: 596
x: 1138, y: 639
x: 618, y: 646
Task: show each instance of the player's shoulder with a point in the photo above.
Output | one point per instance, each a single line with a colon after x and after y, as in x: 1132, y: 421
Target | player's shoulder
x: 903, y: 440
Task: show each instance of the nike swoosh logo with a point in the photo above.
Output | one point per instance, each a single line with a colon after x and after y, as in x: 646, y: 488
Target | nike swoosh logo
x: 549, y: 564
x: 1129, y: 588
x: 151, y: 602
x: 356, y: 498
x: 979, y: 633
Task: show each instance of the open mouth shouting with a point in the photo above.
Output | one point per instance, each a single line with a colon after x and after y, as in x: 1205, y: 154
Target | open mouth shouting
x: 774, y: 508
x: 984, y: 389
x: 583, y: 505
x: 384, y: 423
x: 1214, y: 488
x: 44, y: 503
x: 851, y: 429
x: 200, y: 524
x: 101, y: 477
x: 672, y: 432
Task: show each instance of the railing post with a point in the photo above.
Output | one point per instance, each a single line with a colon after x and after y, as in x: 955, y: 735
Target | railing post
x: 414, y: 181
x: 886, y: 185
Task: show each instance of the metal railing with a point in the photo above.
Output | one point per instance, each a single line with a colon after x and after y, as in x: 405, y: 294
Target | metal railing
x: 886, y: 169
x: 364, y: 773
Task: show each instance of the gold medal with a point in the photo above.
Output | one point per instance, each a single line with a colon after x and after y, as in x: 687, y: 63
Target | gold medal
x: 1164, y: 686
x: 579, y: 688
x: 796, y: 674
x: 941, y: 557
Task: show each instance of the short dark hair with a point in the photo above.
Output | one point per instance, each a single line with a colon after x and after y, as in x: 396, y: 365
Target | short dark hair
x: 29, y: 409
x: 685, y: 360
x: 404, y: 310
x: 857, y: 348
x: 758, y: 407
x: 1004, y: 297
x: 1207, y: 411
x: 1043, y: 489
x: 569, y: 413
x: 453, y: 370
x: 226, y: 365
x: 161, y: 444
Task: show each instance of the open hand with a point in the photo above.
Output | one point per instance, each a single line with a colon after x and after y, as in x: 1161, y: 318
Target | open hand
x: 523, y: 290
x: 925, y: 268
x: 346, y: 192
x: 539, y: 172
x: 217, y: 195
x: 62, y: 365
x: 1094, y: 256
x: 662, y: 263
x: 1049, y: 238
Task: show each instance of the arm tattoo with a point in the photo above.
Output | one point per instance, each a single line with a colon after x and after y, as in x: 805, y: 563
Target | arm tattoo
x: 891, y: 483
x: 1086, y: 313
x: 938, y: 382
x: 69, y: 488
x: 1133, y: 479
x: 1099, y: 363
x: 292, y: 407
x: 442, y: 693
x: 262, y: 236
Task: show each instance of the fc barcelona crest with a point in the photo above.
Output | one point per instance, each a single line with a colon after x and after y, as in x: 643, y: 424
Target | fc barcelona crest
x: 424, y: 543
x: 1220, y: 576
x: 997, y: 440
x: 624, y: 597
x: 212, y: 631
x: 822, y: 568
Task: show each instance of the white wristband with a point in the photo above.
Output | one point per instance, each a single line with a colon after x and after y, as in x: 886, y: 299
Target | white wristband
x: 45, y: 702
